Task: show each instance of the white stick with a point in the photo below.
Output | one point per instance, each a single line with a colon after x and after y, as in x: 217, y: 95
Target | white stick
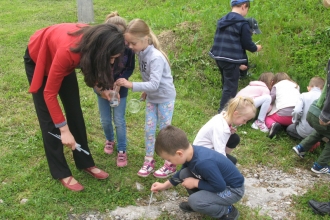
x: 150, y: 200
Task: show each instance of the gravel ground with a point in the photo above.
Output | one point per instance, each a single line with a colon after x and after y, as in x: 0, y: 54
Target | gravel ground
x: 267, y: 189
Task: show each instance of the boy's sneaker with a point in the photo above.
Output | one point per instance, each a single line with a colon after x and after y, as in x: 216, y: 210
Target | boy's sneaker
x: 184, y: 206
x: 108, y: 148
x: 276, y: 127
x: 259, y: 125
x: 121, y: 159
x: 165, y: 171
x: 320, y: 169
x: 233, y: 215
x: 299, y: 151
x: 147, y: 168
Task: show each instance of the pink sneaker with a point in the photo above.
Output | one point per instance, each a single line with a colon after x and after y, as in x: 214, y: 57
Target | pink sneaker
x: 147, y: 168
x: 260, y: 125
x: 108, y: 148
x: 165, y: 171
x: 121, y: 159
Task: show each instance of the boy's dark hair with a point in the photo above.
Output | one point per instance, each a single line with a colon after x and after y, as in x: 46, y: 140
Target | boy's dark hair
x: 316, y: 81
x: 96, y: 47
x: 170, y: 139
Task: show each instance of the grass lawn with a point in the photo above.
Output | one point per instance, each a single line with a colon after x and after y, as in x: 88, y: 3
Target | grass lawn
x: 295, y: 39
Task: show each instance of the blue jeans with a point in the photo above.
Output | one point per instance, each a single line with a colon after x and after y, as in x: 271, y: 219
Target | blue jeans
x: 118, y: 113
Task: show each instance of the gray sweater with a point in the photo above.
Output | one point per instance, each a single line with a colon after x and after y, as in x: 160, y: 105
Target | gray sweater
x: 156, y: 76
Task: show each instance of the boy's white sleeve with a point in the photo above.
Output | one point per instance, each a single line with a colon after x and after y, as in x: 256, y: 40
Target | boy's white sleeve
x: 298, y: 110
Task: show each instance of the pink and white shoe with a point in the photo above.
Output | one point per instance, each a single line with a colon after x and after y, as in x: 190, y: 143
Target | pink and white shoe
x: 121, y: 159
x: 108, y: 148
x: 147, y: 168
x: 260, y: 125
x: 166, y: 170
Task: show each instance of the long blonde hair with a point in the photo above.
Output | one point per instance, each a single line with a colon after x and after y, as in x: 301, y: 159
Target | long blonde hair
x: 140, y: 29
x: 114, y: 18
x: 242, y: 105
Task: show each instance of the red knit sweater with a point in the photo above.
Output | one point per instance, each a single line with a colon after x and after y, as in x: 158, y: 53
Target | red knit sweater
x: 49, y: 48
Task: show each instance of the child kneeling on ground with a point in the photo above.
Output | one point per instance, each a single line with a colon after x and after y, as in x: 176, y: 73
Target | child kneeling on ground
x: 213, y: 182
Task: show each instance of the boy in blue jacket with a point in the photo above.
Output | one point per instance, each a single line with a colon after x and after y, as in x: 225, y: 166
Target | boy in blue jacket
x: 232, y: 39
x: 213, y: 182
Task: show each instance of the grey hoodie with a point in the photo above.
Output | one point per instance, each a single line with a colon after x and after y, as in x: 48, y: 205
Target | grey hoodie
x: 156, y: 76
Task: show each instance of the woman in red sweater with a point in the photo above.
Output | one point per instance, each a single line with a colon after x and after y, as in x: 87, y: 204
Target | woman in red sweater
x: 52, y: 55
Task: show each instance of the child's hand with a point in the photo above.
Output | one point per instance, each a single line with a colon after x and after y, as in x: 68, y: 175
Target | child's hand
x: 259, y: 47
x: 124, y: 82
x: 190, y: 183
x: 323, y: 123
x: 243, y: 67
x: 143, y: 96
x: 157, y: 187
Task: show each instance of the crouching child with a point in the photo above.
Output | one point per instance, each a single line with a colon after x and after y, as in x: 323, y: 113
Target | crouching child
x: 213, y: 182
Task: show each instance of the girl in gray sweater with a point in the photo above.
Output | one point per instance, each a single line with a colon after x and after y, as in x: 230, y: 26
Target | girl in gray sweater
x: 157, y: 87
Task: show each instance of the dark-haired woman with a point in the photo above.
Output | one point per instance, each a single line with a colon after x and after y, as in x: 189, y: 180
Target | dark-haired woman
x: 52, y: 55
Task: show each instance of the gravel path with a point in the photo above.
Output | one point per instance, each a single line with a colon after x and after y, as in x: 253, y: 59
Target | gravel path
x: 267, y: 189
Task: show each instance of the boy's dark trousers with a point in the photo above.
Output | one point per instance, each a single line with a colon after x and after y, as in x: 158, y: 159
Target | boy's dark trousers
x: 211, y: 203
x: 229, y: 78
x: 316, y: 136
x: 69, y: 94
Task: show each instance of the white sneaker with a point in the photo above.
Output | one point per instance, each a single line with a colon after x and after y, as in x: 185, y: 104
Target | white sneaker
x: 260, y: 125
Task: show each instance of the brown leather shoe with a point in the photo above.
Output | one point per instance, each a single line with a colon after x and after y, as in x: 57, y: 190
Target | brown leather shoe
x: 74, y: 187
x: 101, y: 175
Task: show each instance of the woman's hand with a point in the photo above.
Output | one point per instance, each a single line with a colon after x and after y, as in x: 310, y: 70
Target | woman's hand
x: 67, y: 138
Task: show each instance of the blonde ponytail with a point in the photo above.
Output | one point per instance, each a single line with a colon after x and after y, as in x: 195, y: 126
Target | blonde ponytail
x: 114, y: 18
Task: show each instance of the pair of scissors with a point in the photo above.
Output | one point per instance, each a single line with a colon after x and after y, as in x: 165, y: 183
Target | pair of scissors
x: 78, y: 146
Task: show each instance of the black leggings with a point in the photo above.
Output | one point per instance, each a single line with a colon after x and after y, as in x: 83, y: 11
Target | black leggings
x: 69, y: 95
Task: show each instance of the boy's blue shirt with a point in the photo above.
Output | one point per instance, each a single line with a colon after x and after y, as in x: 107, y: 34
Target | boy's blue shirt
x: 232, y: 39
x: 214, y: 170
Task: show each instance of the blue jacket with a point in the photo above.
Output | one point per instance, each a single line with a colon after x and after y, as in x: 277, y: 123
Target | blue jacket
x: 232, y: 39
x: 124, y: 68
x: 214, y: 170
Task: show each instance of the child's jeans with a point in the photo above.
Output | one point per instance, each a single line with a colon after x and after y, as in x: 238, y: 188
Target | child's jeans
x: 214, y: 204
x: 263, y: 101
x: 118, y: 113
x: 283, y: 120
x: 229, y: 79
x: 156, y: 113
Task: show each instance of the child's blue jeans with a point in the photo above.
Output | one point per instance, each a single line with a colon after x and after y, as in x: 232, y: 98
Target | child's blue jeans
x: 118, y: 115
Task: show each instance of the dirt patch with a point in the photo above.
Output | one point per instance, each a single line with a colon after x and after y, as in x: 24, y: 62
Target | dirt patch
x: 268, y: 189
x: 169, y: 39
